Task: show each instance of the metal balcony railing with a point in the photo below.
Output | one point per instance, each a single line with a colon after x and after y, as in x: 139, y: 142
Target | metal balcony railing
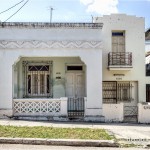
x: 120, y: 59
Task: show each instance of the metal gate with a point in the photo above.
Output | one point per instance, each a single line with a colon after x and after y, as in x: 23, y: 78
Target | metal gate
x: 76, y: 107
x: 130, y: 114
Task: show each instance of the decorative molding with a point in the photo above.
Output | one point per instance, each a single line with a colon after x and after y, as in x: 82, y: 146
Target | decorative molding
x: 43, y: 25
x: 35, y: 44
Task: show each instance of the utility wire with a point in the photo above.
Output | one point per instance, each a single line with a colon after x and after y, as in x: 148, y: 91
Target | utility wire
x: 16, y: 11
x: 11, y: 7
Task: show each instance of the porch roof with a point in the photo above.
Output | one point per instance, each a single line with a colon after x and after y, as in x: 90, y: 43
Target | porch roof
x: 51, y: 25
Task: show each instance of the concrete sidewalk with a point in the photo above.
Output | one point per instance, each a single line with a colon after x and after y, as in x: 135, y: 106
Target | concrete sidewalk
x: 138, y: 133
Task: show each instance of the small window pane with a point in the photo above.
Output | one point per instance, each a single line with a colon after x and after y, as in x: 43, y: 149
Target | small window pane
x: 48, y: 90
x: 74, y: 68
x: 29, y: 84
x: 117, y: 34
x: 38, y: 68
x: 35, y: 83
x: 42, y: 81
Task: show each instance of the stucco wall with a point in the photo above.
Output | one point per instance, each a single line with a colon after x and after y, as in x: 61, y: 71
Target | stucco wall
x: 134, y: 42
x: 113, y: 112
x: 144, y: 113
x: 67, y: 45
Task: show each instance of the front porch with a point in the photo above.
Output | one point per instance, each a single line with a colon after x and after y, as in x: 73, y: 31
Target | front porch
x: 56, y: 88
x: 50, y: 109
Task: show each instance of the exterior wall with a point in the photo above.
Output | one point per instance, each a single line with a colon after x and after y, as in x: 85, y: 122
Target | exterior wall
x: 65, y: 45
x: 113, y: 112
x: 144, y: 113
x: 134, y: 42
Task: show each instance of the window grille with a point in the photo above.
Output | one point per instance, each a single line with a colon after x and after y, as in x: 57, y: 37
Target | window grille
x: 114, y: 92
x: 37, y: 79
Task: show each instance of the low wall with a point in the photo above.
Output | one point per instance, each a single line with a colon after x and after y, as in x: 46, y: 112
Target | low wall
x: 113, y: 112
x: 144, y: 113
x: 40, y: 107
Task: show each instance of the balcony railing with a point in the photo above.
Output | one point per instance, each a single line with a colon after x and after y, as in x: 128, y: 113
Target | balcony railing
x: 123, y: 59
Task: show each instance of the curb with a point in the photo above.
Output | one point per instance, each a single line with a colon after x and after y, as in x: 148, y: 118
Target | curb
x: 59, y: 142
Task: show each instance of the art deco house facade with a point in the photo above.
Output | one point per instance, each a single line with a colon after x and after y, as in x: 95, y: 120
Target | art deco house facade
x: 64, y: 71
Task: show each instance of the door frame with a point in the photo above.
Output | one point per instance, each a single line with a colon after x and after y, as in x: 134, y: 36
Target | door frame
x: 76, y: 71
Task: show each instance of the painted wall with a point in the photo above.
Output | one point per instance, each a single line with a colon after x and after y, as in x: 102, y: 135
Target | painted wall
x: 144, y: 113
x: 76, y: 52
x: 113, y: 112
x: 134, y: 42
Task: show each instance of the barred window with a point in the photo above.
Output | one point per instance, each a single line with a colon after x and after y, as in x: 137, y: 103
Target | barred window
x: 37, y: 79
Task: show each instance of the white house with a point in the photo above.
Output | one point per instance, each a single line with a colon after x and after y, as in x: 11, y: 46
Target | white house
x: 62, y: 71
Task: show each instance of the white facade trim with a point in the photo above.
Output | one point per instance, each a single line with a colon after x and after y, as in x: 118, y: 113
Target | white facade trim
x: 49, y: 44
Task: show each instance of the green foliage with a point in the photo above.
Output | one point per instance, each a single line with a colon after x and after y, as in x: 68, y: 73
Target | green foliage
x: 54, y: 133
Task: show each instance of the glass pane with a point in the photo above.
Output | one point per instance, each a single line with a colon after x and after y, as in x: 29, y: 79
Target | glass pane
x: 35, y: 83
x: 29, y: 84
x: 39, y: 68
x: 48, y: 90
x: 42, y: 83
x: 74, y: 68
x: 117, y: 34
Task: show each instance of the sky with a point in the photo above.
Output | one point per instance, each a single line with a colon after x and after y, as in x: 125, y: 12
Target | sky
x: 71, y: 10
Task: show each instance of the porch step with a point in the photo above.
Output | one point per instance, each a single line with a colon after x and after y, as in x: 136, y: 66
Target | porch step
x: 41, y: 118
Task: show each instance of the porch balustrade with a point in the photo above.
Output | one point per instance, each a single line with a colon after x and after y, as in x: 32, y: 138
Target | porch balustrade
x: 40, y: 107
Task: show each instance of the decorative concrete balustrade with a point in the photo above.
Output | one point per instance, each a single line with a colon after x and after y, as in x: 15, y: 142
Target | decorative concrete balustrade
x: 40, y: 107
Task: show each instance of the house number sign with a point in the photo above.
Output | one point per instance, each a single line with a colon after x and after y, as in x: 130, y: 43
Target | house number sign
x: 146, y: 107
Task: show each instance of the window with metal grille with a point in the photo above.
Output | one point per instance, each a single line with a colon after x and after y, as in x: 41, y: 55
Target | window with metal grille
x: 114, y: 92
x: 124, y: 91
x: 37, y: 79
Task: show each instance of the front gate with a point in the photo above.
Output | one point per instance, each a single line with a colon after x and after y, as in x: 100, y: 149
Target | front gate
x: 130, y: 114
x: 76, y: 107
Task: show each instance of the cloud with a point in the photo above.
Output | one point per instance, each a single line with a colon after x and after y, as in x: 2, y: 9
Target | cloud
x: 102, y: 7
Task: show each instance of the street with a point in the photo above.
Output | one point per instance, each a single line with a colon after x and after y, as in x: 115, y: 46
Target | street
x: 43, y: 147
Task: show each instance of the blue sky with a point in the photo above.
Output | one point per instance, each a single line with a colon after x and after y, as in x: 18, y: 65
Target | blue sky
x: 73, y: 10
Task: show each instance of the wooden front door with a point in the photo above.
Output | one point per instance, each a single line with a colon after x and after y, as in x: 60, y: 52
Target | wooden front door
x: 75, y: 85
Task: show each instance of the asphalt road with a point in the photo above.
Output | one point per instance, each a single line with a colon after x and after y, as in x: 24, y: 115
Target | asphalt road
x: 42, y: 147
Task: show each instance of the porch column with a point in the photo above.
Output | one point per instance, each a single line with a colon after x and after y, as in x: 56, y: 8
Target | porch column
x: 6, y: 80
x: 93, y: 108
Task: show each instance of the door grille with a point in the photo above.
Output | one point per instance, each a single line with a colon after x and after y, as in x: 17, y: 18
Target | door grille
x: 76, y: 107
x: 130, y: 113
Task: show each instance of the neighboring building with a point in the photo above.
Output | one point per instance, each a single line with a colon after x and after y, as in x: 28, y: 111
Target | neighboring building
x: 61, y: 71
x: 147, y: 41
x: 147, y: 50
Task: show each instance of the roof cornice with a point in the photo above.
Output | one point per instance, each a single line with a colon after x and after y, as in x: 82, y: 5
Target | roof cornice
x: 51, y: 25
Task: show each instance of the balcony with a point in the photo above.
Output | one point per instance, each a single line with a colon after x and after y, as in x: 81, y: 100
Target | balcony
x: 120, y: 61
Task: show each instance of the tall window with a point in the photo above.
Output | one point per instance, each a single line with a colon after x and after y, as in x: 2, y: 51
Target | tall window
x: 37, y: 79
x: 147, y: 92
x: 118, y: 41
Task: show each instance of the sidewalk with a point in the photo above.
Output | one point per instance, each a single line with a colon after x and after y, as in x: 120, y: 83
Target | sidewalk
x: 122, y: 131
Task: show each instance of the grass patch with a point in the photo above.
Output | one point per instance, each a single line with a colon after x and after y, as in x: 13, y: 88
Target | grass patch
x: 54, y: 133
